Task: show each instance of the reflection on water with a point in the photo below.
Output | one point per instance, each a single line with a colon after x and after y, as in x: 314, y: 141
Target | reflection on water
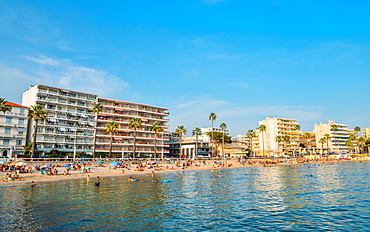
x: 280, y: 198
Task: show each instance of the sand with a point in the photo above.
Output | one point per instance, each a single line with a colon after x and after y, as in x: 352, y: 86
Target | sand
x: 108, y: 171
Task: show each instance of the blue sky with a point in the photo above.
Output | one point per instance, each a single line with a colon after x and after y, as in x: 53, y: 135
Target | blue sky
x: 244, y: 60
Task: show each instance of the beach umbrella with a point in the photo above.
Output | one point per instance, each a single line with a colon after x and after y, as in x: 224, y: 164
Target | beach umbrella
x: 46, y: 166
x: 114, y: 163
x: 269, y: 160
x: 67, y: 165
x: 21, y: 164
x: 100, y: 162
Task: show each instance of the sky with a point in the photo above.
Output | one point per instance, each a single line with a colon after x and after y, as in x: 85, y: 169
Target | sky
x: 243, y: 60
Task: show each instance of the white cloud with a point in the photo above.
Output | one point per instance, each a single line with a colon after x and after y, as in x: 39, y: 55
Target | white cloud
x: 61, y: 73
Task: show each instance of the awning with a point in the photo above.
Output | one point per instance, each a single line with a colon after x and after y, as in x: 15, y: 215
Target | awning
x: 62, y: 129
x: 73, y: 114
x: 83, y: 116
x: 22, y: 129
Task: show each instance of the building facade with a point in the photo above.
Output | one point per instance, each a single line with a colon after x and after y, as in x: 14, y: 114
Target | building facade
x: 70, y: 124
x: 205, y: 130
x: 123, y: 143
x: 338, y: 135
x: 13, y: 128
x: 266, y: 145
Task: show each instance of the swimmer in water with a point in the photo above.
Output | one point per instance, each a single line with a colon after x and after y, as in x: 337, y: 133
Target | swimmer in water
x: 33, y: 184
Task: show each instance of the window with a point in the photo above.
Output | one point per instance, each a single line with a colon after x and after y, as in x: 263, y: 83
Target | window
x: 21, y: 121
x: 8, y: 120
x: 20, y: 132
x: 7, y: 131
x: 21, y: 111
x: 6, y: 142
x: 18, y: 142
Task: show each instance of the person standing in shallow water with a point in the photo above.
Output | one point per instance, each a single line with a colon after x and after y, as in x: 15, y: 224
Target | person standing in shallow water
x: 97, y: 182
x: 33, y: 184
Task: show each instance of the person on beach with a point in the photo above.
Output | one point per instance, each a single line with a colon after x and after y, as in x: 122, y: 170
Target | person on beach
x: 152, y: 174
x: 33, y: 184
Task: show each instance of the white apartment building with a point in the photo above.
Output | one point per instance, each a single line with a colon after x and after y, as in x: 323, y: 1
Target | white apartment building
x: 13, y: 127
x: 205, y: 130
x: 338, y: 133
x: 70, y: 124
x: 266, y: 143
x: 366, y: 132
x: 122, y: 112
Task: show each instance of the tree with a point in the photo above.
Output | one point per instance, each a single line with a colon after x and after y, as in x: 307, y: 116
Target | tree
x: 286, y: 139
x: 357, y: 129
x: 218, y: 138
x: 223, y: 126
x: 327, y: 137
x: 4, y: 107
x: 250, y: 135
x: 297, y: 127
x: 353, y: 139
x: 213, y: 118
x: 307, y: 136
x: 279, y: 139
x: 135, y: 123
x: 156, y: 126
x: 333, y: 127
x: 262, y: 128
x: 349, y: 143
x: 27, y: 148
x: 180, y: 130
x: 196, y: 132
x: 37, y: 112
x: 112, y: 128
x: 97, y: 108
x: 322, y: 141
x: 361, y: 143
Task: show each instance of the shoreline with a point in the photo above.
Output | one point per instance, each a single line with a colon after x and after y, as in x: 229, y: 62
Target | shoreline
x: 105, y: 171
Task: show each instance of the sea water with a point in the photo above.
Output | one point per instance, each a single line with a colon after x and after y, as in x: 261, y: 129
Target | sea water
x: 279, y: 198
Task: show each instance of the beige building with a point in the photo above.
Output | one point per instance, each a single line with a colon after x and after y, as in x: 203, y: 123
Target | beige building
x: 122, y: 112
x: 266, y: 144
x: 338, y: 133
x: 13, y: 127
x: 366, y: 133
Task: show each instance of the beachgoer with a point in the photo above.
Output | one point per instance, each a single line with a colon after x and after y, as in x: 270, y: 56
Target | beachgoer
x: 33, y: 184
x: 152, y: 174
x: 155, y: 180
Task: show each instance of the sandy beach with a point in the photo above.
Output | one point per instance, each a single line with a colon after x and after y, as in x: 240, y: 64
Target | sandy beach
x: 107, y: 170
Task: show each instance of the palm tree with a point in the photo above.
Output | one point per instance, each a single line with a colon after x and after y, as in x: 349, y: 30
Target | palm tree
x: 262, y: 128
x: 112, y: 128
x: 286, y: 139
x: 307, y: 136
x: 180, y: 130
x: 297, y: 127
x: 322, y: 141
x: 334, y: 127
x: 213, y: 118
x: 135, y: 123
x: 250, y: 135
x: 327, y: 137
x: 223, y: 126
x: 349, y: 143
x: 357, y: 129
x: 156, y: 126
x: 279, y: 139
x: 97, y: 108
x: 353, y: 139
x: 37, y: 112
x: 361, y: 143
x: 4, y: 107
x: 196, y: 132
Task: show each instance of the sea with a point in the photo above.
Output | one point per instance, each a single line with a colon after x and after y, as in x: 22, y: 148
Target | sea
x: 330, y: 197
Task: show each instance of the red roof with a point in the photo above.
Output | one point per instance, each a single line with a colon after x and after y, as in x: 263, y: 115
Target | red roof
x: 14, y: 104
